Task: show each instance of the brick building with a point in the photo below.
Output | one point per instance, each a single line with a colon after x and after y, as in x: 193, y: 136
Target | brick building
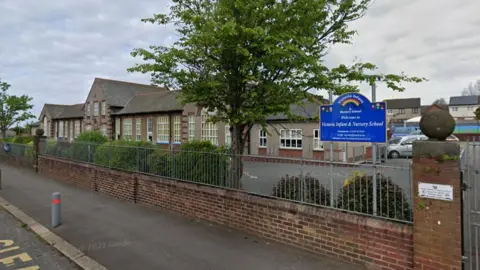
x: 62, y: 121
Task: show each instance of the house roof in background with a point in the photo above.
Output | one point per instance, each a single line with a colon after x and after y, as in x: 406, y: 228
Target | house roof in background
x: 464, y: 100
x: 60, y: 111
x: 165, y: 101
x: 424, y: 108
x: 35, y: 124
x: 403, y: 103
x: 118, y: 93
x: 308, y: 110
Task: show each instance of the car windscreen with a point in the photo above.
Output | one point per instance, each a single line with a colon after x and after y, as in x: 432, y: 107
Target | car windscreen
x: 394, y: 140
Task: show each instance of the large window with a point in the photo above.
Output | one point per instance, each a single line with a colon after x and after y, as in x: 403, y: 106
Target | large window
x: 209, y: 130
x: 104, y: 108
x: 263, y: 138
x: 138, y: 129
x: 127, y: 129
x: 402, y: 111
x: 454, y: 109
x: 317, y: 144
x: 415, y: 110
x: 95, y: 109
x: 191, y: 127
x: 88, y: 108
x: 163, y: 129
x: 117, y: 128
x: 291, y: 138
x: 177, y: 123
x: 149, y: 129
x: 77, y: 128
x: 46, y: 127
x: 228, y: 135
x: 60, y: 129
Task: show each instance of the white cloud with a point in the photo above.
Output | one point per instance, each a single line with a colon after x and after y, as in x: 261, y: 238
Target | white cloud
x: 52, y: 50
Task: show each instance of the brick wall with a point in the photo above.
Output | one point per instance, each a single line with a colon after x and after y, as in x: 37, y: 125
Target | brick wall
x: 375, y: 243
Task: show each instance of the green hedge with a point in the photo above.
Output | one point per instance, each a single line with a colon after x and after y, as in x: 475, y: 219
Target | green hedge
x: 84, y: 147
x: 124, y: 155
x: 305, y: 188
x: 197, y: 161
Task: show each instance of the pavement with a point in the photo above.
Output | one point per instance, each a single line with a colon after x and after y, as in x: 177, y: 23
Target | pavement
x: 121, y: 235
x: 21, y: 248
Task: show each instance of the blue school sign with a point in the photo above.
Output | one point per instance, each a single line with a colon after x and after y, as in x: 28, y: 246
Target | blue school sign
x: 353, y: 118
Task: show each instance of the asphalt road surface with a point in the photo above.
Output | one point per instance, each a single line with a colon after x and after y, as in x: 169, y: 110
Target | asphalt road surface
x: 22, y: 249
x: 261, y: 177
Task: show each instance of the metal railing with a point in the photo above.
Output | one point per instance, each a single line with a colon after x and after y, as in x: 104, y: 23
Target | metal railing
x: 19, y: 153
x: 338, y: 185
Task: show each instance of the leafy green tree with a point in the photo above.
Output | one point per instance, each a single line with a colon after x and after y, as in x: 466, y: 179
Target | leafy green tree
x: 13, y: 109
x: 246, y: 60
x: 477, y: 114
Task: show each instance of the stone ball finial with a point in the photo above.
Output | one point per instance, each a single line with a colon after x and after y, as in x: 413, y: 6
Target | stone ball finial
x: 437, y: 125
x: 39, y: 132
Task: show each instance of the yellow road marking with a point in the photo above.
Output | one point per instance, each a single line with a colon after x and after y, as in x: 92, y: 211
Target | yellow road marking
x: 9, y: 261
x: 8, y: 249
x: 6, y: 243
x: 30, y: 268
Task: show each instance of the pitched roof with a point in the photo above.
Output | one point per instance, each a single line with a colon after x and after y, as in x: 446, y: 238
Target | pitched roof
x: 118, y: 93
x: 165, y: 101
x: 403, y: 103
x: 60, y: 111
x: 424, y: 108
x: 464, y: 100
x: 308, y: 110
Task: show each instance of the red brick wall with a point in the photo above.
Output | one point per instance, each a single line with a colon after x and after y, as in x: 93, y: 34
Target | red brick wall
x: 290, y: 153
x: 262, y: 151
x: 375, y: 243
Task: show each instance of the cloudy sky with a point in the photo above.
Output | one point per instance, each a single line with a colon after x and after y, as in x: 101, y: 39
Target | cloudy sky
x: 52, y: 50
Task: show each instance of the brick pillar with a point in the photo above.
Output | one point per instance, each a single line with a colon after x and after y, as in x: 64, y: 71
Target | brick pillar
x: 437, y: 225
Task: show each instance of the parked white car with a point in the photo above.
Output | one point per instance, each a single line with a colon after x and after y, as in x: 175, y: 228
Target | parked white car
x: 403, y: 147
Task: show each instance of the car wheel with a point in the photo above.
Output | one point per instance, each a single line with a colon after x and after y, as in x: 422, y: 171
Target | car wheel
x: 394, y: 154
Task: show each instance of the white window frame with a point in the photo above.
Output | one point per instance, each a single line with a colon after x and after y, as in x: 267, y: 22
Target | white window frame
x: 95, y: 109
x: 454, y: 109
x: 262, y: 138
x: 104, y: 108
x: 61, y: 133
x: 228, y: 136
x: 127, y: 129
x: 177, y: 129
x: 317, y: 143
x: 45, y: 126
x: 76, y: 130
x: 402, y: 111
x: 191, y: 127
x: 163, y: 129
x: 150, y: 129
x: 88, y: 127
x: 118, y: 126
x: 209, y: 130
x: 88, y: 108
x: 138, y: 129
x: 290, y: 138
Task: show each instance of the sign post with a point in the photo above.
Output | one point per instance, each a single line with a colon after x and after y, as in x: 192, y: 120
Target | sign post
x: 353, y: 118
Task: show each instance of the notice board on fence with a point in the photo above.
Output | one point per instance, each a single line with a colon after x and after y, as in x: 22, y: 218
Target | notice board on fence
x: 353, y: 118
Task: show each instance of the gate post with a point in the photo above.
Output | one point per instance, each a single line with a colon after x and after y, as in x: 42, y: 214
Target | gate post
x: 437, y: 228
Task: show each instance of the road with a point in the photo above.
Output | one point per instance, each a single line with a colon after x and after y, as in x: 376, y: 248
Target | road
x: 22, y: 249
x: 261, y: 177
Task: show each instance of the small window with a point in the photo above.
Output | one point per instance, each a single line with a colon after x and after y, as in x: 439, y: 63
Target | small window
x: 138, y: 129
x: 127, y: 129
x: 263, y: 138
x: 191, y: 127
x: 402, y: 111
x: 415, y: 110
x: 104, y: 130
x: 88, y: 108
x: 104, y: 108
x: 228, y: 136
x: 454, y: 109
x: 317, y: 144
x: 389, y: 111
x: 95, y: 109
x: 291, y: 138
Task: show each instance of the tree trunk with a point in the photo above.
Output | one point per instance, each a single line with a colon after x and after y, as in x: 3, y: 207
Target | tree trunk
x: 237, y: 148
x: 4, y: 133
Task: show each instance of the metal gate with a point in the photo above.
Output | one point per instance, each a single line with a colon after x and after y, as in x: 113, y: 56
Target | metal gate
x: 470, y: 174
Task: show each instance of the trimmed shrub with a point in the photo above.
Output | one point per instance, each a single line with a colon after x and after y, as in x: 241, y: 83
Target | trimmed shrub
x: 124, y: 155
x: 23, y: 139
x: 92, y: 137
x: 356, y: 195
x: 84, y: 147
x: 309, y: 190
x: 196, y: 161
